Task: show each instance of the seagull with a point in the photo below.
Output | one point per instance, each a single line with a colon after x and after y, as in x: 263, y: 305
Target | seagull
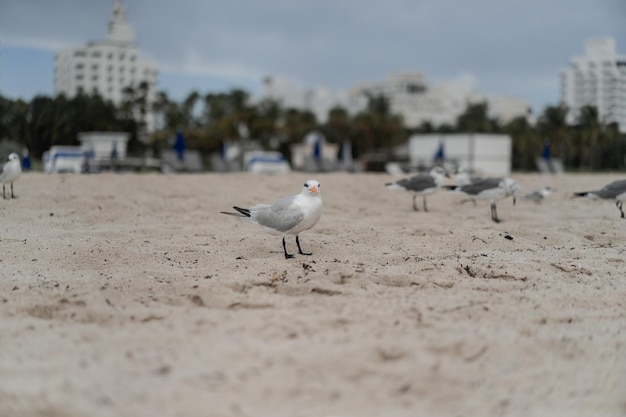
x: 422, y: 184
x: 10, y: 172
x: 492, y: 189
x: 288, y: 216
x: 539, y: 195
x: 615, y: 190
x: 463, y: 176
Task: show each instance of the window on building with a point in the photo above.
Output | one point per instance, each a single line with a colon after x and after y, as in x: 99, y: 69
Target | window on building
x: 110, y: 56
x: 79, y: 77
x: 122, y: 56
x: 94, y: 67
x: 79, y: 66
x: 95, y: 54
x: 79, y: 53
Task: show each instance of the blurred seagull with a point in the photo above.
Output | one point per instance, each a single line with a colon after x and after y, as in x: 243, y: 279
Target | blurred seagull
x: 492, y: 189
x: 462, y: 176
x: 289, y: 215
x: 539, y: 195
x: 10, y: 172
x: 421, y: 185
x: 613, y: 191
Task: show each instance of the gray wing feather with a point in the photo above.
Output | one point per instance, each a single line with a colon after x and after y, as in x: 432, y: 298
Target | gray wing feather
x: 281, y: 216
x: 417, y: 183
x: 480, y: 186
x: 612, y: 190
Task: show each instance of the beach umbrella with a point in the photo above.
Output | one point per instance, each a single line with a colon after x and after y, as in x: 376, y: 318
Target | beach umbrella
x: 180, y: 146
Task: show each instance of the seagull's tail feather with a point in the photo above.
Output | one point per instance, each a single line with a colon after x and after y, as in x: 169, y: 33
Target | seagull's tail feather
x: 583, y: 194
x: 450, y: 187
x: 242, y: 212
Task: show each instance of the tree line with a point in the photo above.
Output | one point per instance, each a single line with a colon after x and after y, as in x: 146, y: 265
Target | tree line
x: 206, y: 120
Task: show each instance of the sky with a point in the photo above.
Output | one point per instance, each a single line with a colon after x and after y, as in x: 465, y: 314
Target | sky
x: 513, y: 48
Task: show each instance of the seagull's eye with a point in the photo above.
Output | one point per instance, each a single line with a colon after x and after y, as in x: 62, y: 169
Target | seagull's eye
x: 306, y: 185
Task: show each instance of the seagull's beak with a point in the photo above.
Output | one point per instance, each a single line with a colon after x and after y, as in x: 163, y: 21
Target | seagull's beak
x: 313, y: 189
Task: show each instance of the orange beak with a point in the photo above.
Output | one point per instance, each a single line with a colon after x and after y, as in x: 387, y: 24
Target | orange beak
x: 313, y: 189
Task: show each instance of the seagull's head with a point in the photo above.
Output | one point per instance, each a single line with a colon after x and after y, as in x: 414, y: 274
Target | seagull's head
x: 311, y: 187
x: 439, y: 171
x: 13, y: 156
x: 513, y: 188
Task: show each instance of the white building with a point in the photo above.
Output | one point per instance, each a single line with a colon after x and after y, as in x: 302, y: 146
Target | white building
x: 107, y: 67
x: 409, y: 95
x: 481, y: 153
x: 440, y: 104
x: 319, y: 100
x: 596, y: 79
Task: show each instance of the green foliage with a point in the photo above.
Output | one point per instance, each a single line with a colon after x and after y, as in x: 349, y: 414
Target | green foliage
x: 206, y: 120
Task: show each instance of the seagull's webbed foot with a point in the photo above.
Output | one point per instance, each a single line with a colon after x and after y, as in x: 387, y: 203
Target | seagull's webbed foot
x: 299, y: 248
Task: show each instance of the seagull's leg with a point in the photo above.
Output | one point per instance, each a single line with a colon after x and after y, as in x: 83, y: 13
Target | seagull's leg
x: 425, y: 209
x: 619, y: 206
x: 287, y: 255
x: 494, y: 214
x: 12, y: 196
x: 300, y: 249
x: 3, y: 196
x: 415, y: 205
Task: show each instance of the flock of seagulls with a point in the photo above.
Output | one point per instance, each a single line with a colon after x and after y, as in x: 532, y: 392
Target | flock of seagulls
x: 295, y: 214
x: 490, y: 189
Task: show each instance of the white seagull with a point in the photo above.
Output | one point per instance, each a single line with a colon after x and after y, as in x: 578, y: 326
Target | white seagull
x: 539, y: 195
x: 10, y: 172
x: 613, y: 191
x: 289, y: 215
x: 421, y: 185
x: 492, y: 189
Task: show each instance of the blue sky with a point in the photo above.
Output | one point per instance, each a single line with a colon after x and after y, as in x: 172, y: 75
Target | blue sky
x: 509, y: 48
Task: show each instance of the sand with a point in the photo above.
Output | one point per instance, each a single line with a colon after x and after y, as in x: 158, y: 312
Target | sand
x: 130, y: 295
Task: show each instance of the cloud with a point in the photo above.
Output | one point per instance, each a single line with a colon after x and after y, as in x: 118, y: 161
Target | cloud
x: 45, y: 44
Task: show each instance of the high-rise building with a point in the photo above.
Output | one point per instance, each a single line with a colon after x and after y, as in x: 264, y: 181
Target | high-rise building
x: 597, y: 79
x: 108, y: 67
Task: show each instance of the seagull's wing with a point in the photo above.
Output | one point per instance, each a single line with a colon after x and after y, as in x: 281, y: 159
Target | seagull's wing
x: 5, y: 170
x: 281, y: 216
x: 417, y: 183
x: 612, y: 190
x: 478, y: 187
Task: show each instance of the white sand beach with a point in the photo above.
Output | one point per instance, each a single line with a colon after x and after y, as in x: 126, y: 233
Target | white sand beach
x: 130, y: 295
